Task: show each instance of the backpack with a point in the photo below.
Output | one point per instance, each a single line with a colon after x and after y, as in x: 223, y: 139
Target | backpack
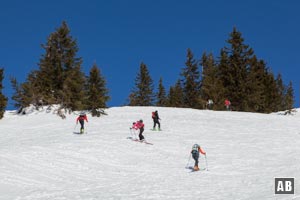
x: 81, y: 117
x: 195, y: 148
x: 153, y: 115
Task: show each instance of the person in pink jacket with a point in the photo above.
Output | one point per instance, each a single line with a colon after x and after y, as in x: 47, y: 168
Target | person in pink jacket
x: 139, y: 125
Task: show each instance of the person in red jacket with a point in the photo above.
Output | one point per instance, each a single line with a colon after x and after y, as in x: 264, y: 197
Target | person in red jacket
x: 227, y: 104
x: 195, y: 154
x: 140, y: 125
x: 81, y: 119
x: 156, y: 119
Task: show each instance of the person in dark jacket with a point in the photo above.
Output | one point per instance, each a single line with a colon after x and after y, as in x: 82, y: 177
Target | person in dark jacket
x: 156, y: 119
x: 195, y: 154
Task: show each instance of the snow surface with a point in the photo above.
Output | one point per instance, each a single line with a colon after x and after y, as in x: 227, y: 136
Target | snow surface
x: 42, y: 159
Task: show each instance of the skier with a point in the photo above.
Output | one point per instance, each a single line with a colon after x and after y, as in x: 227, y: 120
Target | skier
x: 140, y: 125
x: 156, y: 119
x: 227, y: 104
x: 81, y: 119
x: 195, y: 154
x: 209, y: 104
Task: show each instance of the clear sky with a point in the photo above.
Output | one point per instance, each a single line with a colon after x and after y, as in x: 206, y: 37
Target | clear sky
x: 118, y: 35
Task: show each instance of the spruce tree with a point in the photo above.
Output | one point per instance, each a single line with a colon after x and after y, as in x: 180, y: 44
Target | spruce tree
x: 3, y: 99
x: 191, y: 82
x: 24, y: 94
x: 142, y: 93
x: 271, y: 92
x: 235, y: 74
x: 212, y: 87
x: 289, y: 97
x: 60, y: 79
x: 255, y: 86
x: 97, y: 93
x: 281, y: 93
x: 175, y: 96
x: 161, y: 94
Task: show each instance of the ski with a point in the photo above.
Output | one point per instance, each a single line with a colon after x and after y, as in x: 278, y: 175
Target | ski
x: 203, y: 169
x: 78, y: 133
x: 192, y: 169
x: 155, y: 130
x: 137, y: 140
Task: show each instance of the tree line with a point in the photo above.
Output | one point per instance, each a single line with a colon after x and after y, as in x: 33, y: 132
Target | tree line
x: 236, y: 74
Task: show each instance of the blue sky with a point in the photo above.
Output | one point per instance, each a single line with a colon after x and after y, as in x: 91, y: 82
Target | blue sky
x: 118, y: 35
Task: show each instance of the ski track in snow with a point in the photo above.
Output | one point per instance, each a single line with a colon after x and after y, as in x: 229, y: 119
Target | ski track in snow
x: 41, y: 158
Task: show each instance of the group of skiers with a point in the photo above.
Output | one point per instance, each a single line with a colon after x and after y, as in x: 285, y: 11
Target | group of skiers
x: 210, y: 104
x: 139, y: 125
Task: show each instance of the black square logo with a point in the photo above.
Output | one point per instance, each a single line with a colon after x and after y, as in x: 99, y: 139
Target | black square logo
x: 284, y: 186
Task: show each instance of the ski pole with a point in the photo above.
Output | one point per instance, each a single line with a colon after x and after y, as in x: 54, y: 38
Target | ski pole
x: 188, y: 161
x: 75, y: 127
x: 206, y: 163
x: 130, y: 129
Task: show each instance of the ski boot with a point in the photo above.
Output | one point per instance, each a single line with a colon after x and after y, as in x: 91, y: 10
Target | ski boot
x: 196, y: 168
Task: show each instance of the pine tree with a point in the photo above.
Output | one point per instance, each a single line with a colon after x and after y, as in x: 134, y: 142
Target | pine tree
x: 212, y: 87
x: 234, y: 75
x: 142, y: 93
x: 175, y: 97
x: 281, y: 93
x: 255, y: 86
x: 191, y: 82
x: 3, y: 99
x: 271, y: 92
x: 97, y: 93
x: 289, y: 97
x: 161, y: 95
x: 60, y: 79
x: 24, y: 94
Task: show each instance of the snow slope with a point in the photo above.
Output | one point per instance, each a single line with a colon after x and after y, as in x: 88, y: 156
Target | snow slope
x: 41, y: 158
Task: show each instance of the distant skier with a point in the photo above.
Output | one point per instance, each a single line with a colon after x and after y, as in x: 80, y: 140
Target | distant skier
x: 227, y: 104
x: 156, y: 119
x: 209, y: 104
x: 140, y: 125
x: 195, y: 154
x: 81, y: 119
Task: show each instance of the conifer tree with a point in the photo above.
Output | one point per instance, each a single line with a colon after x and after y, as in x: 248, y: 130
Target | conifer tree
x: 236, y: 71
x: 97, y: 93
x: 175, y: 96
x: 212, y: 87
x: 271, y: 92
x: 24, y: 94
x: 60, y: 79
x: 255, y: 86
x: 161, y: 94
x: 289, y: 97
x: 142, y: 93
x: 281, y: 93
x: 191, y: 82
x: 3, y: 99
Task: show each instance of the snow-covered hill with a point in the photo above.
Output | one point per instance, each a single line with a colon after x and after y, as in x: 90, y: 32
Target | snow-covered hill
x: 41, y: 158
